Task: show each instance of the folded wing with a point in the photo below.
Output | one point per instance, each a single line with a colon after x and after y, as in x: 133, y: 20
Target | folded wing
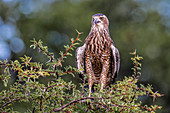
x: 80, y: 60
x: 115, y: 62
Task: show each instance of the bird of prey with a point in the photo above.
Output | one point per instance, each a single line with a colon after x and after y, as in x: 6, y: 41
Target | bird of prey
x: 98, y: 57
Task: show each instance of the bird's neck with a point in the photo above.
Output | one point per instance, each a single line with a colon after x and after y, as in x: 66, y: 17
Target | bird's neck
x: 98, y: 41
x: 100, y: 35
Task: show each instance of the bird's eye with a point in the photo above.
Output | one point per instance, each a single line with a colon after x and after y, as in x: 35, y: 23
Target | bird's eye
x: 101, y: 18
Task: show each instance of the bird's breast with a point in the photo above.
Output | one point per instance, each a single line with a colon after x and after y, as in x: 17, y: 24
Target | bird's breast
x: 97, y: 58
x: 98, y: 53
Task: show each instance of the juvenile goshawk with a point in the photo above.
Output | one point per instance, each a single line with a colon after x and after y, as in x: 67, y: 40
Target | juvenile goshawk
x: 98, y: 56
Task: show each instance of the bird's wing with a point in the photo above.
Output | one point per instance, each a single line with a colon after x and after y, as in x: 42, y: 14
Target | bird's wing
x: 80, y: 58
x: 115, y: 61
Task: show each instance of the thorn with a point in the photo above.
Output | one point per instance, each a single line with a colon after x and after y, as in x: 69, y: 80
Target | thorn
x: 134, y: 53
x: 59, y: 64
x: 80, y: 40
x: 79, y: 32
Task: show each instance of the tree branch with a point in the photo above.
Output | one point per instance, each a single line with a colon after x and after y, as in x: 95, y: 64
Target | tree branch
x: 72, y: 102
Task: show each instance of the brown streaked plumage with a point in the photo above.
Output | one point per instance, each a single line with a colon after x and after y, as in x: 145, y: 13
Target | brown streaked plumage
x: 98, y: 56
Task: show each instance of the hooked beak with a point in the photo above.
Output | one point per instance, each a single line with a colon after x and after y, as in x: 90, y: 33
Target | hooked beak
x: 96, y: 21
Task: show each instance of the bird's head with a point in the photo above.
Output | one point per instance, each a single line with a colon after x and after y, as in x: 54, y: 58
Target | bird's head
x: 100, y: 21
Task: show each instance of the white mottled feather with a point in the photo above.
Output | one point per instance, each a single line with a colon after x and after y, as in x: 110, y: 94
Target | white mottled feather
x: 80, y: 58
x: 116, y: 60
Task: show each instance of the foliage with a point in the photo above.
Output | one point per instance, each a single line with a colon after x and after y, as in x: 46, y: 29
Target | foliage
x: 61, y: 96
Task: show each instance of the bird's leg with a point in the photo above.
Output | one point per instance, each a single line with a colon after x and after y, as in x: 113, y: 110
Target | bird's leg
x: 104, y: 73
x: 90, y: 81
x: 90, y: 73
x: 90, y: 78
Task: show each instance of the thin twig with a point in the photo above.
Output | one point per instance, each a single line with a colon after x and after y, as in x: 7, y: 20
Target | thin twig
x: 59, y: 62
x: 51, y: 57
x: 18, y: 98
